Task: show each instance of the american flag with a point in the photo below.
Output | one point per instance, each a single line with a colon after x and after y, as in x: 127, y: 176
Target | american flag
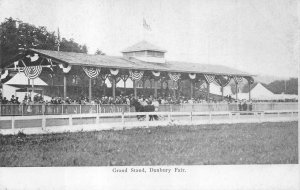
x: 146, y: 25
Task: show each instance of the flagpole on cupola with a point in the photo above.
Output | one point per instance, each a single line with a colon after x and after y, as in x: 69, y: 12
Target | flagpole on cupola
x: 58, y: 39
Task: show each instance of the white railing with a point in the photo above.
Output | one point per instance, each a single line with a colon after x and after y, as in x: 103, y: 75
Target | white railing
x: 258, y: 106
x: 62, y: 109
x: 122, y: 118
x: 59, y: 109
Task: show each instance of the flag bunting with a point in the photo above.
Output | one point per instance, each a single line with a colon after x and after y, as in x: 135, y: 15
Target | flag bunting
x: 33, y: 72
x: 192, y: 76
x: 156, y: 73
x: 91, y: 72
x: 237, y: 79
x: 174, y: 76
x: 136, y: 75
x: 4, y: 75
x: 65, y: 69
x: 209, y: 78
x: 250, y: 80
x: 114, y: 71
x: 222, y: 80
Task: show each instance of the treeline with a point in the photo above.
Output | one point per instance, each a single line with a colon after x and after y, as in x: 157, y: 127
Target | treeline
x: 279, y: 86
x: 16, y: 35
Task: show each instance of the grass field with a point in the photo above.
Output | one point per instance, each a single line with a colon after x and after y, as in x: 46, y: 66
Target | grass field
x: 264, y: 143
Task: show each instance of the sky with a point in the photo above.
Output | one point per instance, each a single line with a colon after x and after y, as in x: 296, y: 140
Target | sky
x: 260, y: 37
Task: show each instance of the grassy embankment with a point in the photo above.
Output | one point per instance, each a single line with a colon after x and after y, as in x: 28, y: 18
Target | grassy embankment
x: 264, y: 143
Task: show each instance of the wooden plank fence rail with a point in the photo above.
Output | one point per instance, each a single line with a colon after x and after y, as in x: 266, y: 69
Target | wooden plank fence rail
x: 62, y: 109
x: 230, y: 116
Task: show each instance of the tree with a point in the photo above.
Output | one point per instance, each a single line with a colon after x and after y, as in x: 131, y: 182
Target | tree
x: 284, y: 86
x: 16, y: 36
x: 99, y: 52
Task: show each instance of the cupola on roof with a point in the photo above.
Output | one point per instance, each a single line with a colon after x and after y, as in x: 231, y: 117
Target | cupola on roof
x: 143, y: 46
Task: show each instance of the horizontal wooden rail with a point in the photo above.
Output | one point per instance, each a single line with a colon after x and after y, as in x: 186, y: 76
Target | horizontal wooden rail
x: 190, y: 116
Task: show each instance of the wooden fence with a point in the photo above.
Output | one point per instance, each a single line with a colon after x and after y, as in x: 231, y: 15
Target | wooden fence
x: 48, y: 121
x: 66, y: 109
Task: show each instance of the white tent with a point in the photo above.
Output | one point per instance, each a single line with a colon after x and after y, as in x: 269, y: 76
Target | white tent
x: 21, y: 79
x: 259, y: 92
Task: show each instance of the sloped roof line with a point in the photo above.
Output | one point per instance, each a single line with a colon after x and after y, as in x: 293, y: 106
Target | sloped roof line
x: 125, y: 63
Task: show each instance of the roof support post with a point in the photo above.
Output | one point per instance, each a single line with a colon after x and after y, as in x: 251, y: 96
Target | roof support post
x: 208, y: 89
x: 134, y: 88
x: 222, y: 90
x: 236, y: 91
x: 144, y: 81
x: 249, y: 87
x: 161, y: 87
x: 65, y: 85
x: 90, y: 89
x: 192, y: 89
x: 32, y: 90
x: 125, y: 87
x: 155, y: 88
x: 178, y: 88
x: 114, y: 87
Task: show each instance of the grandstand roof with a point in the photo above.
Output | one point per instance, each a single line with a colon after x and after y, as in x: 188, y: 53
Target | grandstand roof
x: 82, y: 59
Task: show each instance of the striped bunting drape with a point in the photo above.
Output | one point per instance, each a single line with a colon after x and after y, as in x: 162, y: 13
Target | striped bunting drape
x: 4, y: 74
x: 114, y: 71
x: 174, y: 76
x: 209, y: 78
x: 223, y: 80
x: 91, y: 72
x: 192, y: 76
x: 250, y: 80
x: 237, y: 79
x: 65, y: 69
x: 33, y: 72
x: 156, y: 73
x: 136, y: 75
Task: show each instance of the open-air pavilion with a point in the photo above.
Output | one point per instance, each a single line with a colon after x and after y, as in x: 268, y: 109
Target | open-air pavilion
x: 140, y: 63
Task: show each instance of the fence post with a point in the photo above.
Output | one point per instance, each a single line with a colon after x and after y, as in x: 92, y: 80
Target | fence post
x: 70, y: 120
x: 22, y: 110
x: 262, y: 115
x: 43, y: 109
x: 43, y: 122
x: 13, y: 122
x: 80, y: 109
x: 123, y: 120
x: 97, y: 119
x: 209, y: 117
x: 62, y: 109
x: 147, y: 119
x: 169, y: 116
x: 230, y: 117
x: 191, y: 116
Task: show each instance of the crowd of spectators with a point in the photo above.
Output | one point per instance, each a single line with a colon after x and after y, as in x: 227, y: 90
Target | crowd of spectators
x: 38, y: 99
x: 107, y: 100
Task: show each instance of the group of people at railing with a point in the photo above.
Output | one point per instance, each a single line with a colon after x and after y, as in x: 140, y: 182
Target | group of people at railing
x: 122, y: 103
x: 104, y: 100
